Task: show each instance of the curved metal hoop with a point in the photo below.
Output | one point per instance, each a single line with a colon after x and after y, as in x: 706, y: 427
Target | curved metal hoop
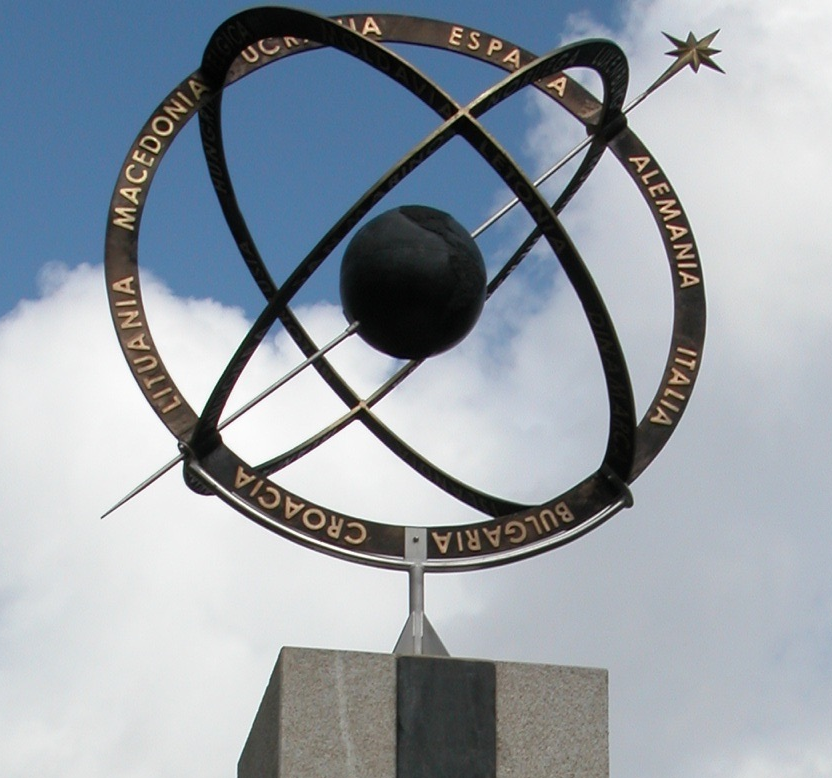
x: 512, y: 531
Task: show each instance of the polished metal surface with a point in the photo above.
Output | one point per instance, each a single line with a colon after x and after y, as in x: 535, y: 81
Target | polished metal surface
x: 508, y: 530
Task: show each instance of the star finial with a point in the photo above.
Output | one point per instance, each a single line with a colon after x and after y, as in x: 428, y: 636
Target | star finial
x: 694, y: 52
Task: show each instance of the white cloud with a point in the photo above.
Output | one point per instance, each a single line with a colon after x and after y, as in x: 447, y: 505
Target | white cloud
x: 140, y: 645
x: 129, y: 643
x: 709, y: 601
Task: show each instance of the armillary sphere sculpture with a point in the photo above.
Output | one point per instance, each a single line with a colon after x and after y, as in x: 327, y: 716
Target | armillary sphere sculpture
x: 413, y: 284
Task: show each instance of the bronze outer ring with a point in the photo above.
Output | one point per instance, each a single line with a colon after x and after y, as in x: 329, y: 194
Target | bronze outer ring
x: 265, y: 35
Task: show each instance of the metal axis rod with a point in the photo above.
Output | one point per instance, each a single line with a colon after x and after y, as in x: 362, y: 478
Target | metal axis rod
x: 691, y: 52
x: 239, y: 412
x: 416, y: 582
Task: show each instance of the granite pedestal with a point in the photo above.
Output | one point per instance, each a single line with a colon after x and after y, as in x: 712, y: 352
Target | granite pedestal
x: 339, y: 714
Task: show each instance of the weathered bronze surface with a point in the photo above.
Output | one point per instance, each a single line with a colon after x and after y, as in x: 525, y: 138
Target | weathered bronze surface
x: 509, y: 530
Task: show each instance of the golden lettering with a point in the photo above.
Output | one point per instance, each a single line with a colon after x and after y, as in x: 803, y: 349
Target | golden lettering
x: 148, y: 143
x: 688, y: 279
x: 124, y: 285
x: 661, y: 417
x: 319, y: 521
x: 129, y: 319
x: 127, y: 217
x: 197, y: 88
x: 512, y: 58
x: 291, y: 508
x: 360, y: 533
x: 563, y: 513
x: 162, y: 125
x: 684, y: 251
x: 147, y: 362
x: 143, y: 159
x: 473, y: 538
x: 175, y: 108
x: 371, y: 26
x: 335, y: 527
x: 174, y: 403
x: 149, y: 382
x: 269, y: 504
x: 131, y: 193
x: 668, y: 209
x: 689, y: 363
x: 545, y: 516
x: 250, y: 55
x: 493, y: 535
x: 442, y: 541
x: 269, y: 51
x: 493, y: 46
x: 640, y: 163
x: 515, y: 531
x: 138, y: 343
x: 128, y: 174
x: 657, y: 189
x: 242, y: 478
x: 677, y: 377
x: 558, y: 85
x: 676, y: 231
x: 455, y: 38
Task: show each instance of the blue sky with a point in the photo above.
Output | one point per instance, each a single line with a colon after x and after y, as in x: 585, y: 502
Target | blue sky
x: 140, y: 646
x: 81, y: 81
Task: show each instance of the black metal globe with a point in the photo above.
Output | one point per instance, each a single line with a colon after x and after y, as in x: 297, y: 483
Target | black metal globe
x: 414, y: 280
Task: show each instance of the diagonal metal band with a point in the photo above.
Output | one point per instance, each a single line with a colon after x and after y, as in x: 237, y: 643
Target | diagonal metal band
x: 603, y: 56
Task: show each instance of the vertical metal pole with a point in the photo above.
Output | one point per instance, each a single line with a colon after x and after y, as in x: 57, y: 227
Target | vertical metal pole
x: 418, y: 636
x: 416, y: 552
x: 416, y: 574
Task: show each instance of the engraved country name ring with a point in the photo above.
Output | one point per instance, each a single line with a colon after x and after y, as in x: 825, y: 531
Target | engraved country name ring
x: 508, y: 531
